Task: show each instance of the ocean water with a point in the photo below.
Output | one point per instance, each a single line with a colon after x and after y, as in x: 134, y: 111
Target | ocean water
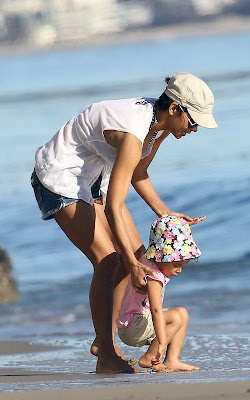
x: 205, y: 173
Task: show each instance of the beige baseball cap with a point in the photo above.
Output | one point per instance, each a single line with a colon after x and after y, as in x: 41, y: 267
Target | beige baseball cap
x: 194, y: 94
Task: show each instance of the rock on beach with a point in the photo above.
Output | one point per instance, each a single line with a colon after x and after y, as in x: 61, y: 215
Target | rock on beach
x: 8, y: 284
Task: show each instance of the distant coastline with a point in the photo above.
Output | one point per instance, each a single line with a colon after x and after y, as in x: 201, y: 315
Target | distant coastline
x: 217, y: 26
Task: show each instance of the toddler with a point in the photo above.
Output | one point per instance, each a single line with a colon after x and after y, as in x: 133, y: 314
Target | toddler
x: 142, y: 319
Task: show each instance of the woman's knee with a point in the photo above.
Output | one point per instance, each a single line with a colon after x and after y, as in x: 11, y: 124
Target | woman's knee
x: 108, y: 265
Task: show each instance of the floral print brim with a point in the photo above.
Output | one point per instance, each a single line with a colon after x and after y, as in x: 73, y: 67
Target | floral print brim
x: 171, y: 240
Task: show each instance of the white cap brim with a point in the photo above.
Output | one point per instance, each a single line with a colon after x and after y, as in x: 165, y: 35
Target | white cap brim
x: 204, y: 120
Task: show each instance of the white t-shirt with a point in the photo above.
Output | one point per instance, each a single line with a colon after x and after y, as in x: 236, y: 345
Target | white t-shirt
x: 74, y: 158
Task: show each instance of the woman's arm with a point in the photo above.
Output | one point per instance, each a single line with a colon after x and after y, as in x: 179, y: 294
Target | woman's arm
x: 128, y: 156
x: 155, y: 299
x: 143, y: 185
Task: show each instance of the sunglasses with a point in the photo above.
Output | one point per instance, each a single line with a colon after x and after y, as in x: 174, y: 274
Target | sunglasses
x: 191, y: 122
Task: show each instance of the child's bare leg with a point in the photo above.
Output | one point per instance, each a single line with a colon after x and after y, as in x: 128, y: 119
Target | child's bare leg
x: 172, y: 359
x: 146, y: 360
x: 173, y: 320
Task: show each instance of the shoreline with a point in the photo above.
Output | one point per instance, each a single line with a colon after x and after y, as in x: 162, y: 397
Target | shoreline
x: 47, y: 372
x: 219, y: 26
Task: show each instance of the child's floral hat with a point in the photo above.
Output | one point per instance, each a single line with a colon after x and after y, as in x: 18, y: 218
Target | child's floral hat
x: 171, y: 240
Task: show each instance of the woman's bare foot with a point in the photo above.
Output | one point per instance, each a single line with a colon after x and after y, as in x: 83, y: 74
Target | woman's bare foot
x: 180, y: 366
x: 115, y: 365
x: 94, y: 350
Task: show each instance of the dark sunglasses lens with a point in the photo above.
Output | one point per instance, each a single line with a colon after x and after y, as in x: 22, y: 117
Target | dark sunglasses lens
x: 191, y: 122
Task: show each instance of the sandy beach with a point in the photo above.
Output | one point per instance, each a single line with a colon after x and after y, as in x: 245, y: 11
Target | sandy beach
x: 239, y: 390
x: 19, y: 382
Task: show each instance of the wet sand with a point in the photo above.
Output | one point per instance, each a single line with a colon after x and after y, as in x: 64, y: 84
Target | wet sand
x: 19, y: 382
x: 239, y: 390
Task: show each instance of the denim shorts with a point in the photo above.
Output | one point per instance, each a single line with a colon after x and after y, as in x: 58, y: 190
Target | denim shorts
x: 50, y: 203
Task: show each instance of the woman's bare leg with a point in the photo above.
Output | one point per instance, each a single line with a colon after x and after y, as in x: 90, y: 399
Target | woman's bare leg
x: 122, y: 272
x: 172, y: 359
x: 86, y: 230
x: 121, y: 280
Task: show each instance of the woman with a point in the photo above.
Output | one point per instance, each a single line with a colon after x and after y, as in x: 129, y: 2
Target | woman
x: 82, y: 176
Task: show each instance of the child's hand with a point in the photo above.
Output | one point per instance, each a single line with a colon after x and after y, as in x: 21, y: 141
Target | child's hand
x: 159, y: 356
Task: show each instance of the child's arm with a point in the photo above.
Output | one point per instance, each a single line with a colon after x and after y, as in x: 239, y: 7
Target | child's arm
x: 155, y: 299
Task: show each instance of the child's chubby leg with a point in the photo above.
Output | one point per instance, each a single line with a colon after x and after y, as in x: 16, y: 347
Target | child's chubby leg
x: 173, y: 321
x: 176, y: 320
x: 146, y: 361
x: 172, y: 359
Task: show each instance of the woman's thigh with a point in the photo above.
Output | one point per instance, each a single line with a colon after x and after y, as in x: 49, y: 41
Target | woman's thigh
x: 133, y: 234
x: 86, y: 228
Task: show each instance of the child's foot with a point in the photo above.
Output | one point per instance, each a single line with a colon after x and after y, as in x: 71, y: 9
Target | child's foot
x: 180, y: 366
x: 160, y: 368
x: 146, y: 362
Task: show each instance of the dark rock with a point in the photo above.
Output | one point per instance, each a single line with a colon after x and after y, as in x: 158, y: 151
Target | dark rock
x: 8, y: 285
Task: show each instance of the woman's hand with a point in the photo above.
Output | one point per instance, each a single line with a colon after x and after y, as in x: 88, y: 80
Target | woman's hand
x: 190, y: 221
x: 138, y: 273
x: 196, y: 220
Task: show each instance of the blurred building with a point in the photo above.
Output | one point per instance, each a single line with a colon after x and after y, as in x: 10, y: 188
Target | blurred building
x: 50, y: 22
x: 205, y: 7
x: 95, y: 17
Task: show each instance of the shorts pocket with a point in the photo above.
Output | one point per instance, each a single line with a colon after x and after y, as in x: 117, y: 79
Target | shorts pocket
x: 37, y: 187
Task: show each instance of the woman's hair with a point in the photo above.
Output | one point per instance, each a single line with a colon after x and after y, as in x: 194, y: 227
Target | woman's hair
x: 164, y: 101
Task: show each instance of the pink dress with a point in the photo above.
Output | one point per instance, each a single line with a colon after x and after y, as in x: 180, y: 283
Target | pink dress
x: 134, y: 303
